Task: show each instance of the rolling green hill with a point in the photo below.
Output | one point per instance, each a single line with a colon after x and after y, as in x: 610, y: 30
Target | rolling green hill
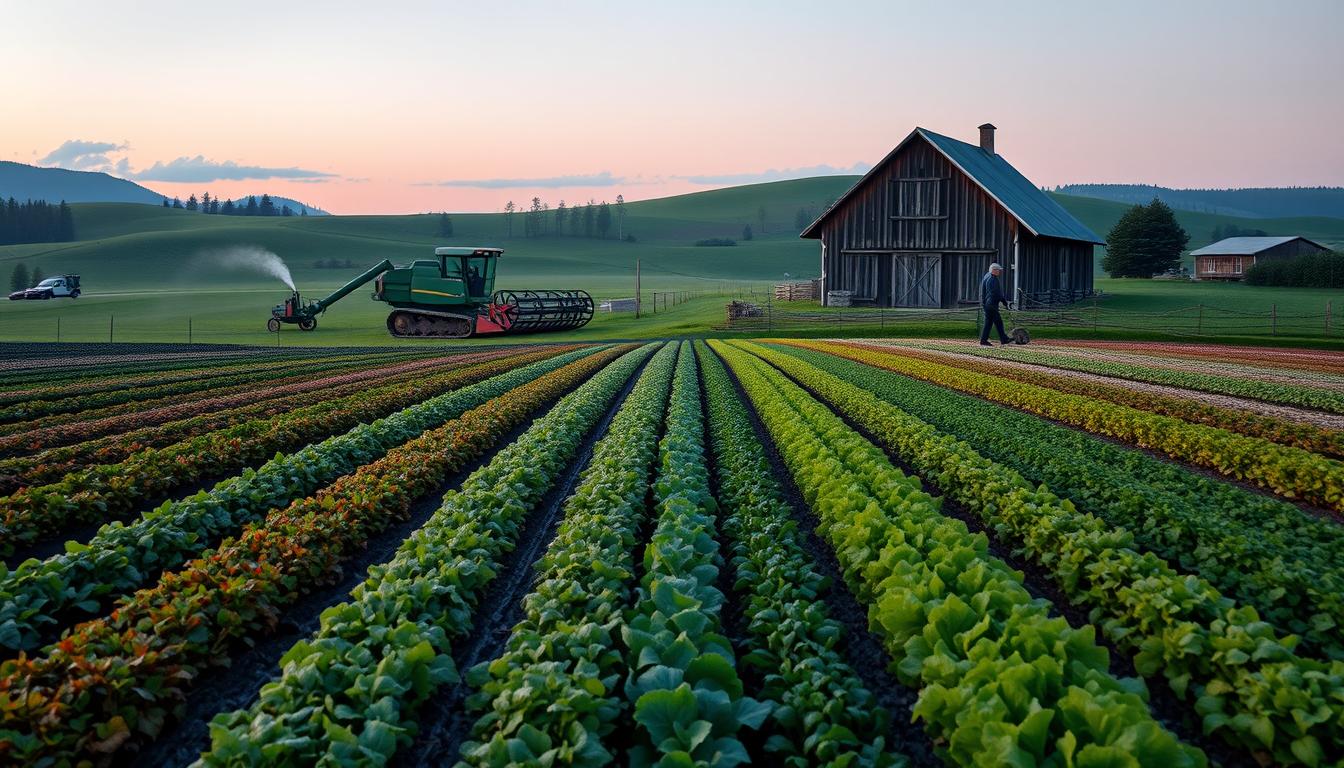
x: 149, y: 270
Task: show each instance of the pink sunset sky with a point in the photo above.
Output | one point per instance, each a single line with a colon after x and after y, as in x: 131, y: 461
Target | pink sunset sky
x: 401, y: 107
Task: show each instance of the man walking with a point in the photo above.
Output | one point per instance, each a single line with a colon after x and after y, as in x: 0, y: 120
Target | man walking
x: 991, y: 296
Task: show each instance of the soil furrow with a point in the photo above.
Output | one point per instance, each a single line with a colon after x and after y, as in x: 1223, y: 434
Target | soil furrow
x: 861, y: 648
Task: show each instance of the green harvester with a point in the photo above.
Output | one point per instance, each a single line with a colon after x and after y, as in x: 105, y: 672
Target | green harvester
x: 452, y: 296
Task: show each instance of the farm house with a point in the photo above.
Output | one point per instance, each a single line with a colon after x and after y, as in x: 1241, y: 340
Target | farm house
x: 922, y: 227
x: 1231, y: 257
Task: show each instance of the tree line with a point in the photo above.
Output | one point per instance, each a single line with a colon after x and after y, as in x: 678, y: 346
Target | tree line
x: 251, y: 207
x: 1232, y: 230
x: 591, y: 219
x: 35, y: 221
x: 22, y: 277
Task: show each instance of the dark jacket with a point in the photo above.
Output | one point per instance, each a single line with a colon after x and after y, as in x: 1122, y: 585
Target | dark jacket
x: 991, y: 294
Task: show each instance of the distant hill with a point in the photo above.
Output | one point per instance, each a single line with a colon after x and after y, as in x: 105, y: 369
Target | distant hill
x: 1253, y: 203
x: 29, y: 182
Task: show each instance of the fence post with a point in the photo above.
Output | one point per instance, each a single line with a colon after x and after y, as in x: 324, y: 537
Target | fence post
x: 1199, y: 325
x: 1094, y: 314
x: 58, y: 328
x: 188, y: 331
x: 1274, y: 320
x: 111, y: 324
x: 1328, y: 302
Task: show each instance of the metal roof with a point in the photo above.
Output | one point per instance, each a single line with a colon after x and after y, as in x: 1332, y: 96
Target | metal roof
x: 454, y: 250
x: 1023, y: 200
x: 1247, y: 246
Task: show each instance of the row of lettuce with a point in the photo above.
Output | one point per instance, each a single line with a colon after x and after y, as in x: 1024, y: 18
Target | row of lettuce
x: 351, y: 694
x: 1291, y: 472
x: 1000, y: 681
x: 611, y: 640
x: 16, y: 416
x: 113, y: 682
x: 617, y: 655
x: 40, y: 597
x: 1300, y: 434
x: 111, y: 491
x: 1148, y: 370
x: 1245, y: 680
x: 1261, y: 551
x: 89, y: 371
x: 54, y: 444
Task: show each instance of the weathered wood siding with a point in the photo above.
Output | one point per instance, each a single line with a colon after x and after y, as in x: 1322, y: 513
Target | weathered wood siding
x: 918, y: 204
x: 1289, y: 250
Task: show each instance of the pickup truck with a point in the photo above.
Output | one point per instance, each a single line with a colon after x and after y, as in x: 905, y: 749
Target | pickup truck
x: 52, y: 287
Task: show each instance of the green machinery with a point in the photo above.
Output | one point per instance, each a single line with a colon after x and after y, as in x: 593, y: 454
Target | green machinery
x: 451, y: 296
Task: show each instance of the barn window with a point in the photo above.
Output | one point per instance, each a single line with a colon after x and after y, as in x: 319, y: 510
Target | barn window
x: 921, y: 198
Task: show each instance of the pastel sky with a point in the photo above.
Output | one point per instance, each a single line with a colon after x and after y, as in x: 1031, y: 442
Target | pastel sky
x: 398, y: 107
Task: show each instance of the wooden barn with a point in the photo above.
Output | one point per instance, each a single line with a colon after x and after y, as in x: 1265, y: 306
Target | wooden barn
x: 922, y: 227
x: 1230, y: 258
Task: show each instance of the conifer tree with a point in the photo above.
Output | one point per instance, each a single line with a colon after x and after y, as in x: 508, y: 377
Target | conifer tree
x: 1145, y: 241
x: 18, y: 279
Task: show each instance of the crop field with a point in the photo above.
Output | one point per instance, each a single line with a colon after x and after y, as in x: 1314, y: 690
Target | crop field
x: 798, y: 552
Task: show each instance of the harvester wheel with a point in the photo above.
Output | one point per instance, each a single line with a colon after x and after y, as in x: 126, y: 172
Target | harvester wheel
x: 308, y: 324
x: 273, y: 325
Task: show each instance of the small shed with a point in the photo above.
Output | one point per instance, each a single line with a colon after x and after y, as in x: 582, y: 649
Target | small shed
x: 921, y: 228
x: 1230, y: 258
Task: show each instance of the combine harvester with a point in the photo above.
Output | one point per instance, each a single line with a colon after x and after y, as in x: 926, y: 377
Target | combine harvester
x: 450, y: 297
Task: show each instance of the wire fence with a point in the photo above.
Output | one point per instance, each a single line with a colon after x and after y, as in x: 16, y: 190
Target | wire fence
x: 1195, y: 321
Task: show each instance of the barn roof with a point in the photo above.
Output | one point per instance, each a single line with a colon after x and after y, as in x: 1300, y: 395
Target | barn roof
x: 1247, y: 246
x: 1023, y: 200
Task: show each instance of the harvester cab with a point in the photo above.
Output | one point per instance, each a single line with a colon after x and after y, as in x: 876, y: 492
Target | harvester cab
x: 451, y: 296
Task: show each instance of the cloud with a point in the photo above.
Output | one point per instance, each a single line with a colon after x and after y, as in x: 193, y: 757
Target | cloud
x: 780, y: 174
x: 79, y: 155
x: 603, y: 179
x: 199, y: 169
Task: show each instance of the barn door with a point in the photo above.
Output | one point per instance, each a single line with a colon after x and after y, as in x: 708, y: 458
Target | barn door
x: 917, y: 280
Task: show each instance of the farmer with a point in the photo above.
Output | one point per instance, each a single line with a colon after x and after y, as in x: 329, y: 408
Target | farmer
x: 991, y: 296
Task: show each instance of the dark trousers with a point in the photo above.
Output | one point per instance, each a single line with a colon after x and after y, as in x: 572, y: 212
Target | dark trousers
x: 992, y: 317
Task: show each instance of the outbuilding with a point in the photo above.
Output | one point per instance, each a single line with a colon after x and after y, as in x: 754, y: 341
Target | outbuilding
x: 923, y: 226
x: 1230, y: 258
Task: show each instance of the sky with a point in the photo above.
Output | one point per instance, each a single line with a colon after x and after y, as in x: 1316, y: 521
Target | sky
x: 403, y: 107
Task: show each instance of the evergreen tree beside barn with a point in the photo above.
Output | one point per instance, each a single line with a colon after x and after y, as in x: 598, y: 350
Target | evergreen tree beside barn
x: 923, y: 226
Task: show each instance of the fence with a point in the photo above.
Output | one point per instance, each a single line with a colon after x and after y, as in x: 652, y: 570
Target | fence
x: 1194, y: 321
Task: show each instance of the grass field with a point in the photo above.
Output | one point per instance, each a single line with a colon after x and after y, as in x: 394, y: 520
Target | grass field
x: 151, y: 273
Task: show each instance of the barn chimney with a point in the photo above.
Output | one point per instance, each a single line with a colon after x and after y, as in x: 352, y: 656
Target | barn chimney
x: 987, y: 137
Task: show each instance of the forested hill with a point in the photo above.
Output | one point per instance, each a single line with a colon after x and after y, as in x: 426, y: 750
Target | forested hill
x: 29, y: 182
x: 1256, y: 203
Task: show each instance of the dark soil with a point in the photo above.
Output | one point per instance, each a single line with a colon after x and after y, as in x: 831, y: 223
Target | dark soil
x: 225, y: 689
x: 1174, y: 714
x: 862, y: 649
x: 445, y: 723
